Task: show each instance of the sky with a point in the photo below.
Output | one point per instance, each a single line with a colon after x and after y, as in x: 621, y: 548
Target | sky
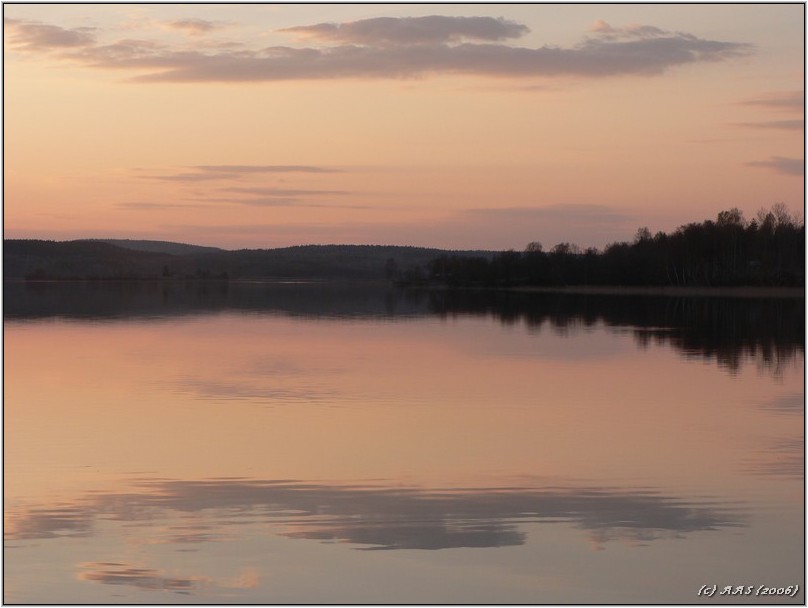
x: 481, y: 126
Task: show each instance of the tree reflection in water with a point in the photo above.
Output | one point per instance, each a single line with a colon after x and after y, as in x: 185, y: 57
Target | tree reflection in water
x: 728, y: 330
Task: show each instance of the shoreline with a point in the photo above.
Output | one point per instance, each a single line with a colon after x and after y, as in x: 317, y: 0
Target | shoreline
x: 731, y: 292
x: 748, y: 291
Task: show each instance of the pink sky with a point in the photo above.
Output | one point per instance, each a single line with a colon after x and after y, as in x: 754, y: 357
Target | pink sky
x: 456, y: 126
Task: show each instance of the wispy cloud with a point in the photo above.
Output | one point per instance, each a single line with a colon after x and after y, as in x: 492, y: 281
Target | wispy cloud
x: 192, y: 177
x: 206, y: 173
x: 433, y: 29
x: 790, y: 125
x: 781, y: 164
x: 577, y: 212
x: 279, y: 201
x: 285, y: 192
x: 256, y: 202
x: 605, y: 30
x: 393, y: 48
x: 264, y: 169
x: 788, y: 100
x: 35, y: 36
x: 149, y: 206
x: 195, y: 27
x: 253, y: 195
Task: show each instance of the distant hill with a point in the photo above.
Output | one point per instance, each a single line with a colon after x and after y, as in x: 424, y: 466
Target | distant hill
x: 158, y: 246
x: 120, y: 259
x: 768, y: 251
x: 34, y: 259
x: 337, y: 261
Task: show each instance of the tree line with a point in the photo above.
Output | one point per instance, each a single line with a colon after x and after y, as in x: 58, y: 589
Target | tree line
x: 727, y: 251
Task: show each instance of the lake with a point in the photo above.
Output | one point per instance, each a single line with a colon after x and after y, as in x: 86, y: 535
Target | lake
x: 324, y: 443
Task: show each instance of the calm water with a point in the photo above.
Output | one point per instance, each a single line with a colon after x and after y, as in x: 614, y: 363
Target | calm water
x: 323, y: 444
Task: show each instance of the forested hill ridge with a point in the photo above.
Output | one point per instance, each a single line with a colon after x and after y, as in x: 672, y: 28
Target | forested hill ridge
x: 729, y: 251
x: 158, y: 246
x: 122, y: 259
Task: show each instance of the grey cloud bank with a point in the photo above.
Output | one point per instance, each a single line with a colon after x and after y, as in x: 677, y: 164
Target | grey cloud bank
x: 389, y: 48
x: 433, y: 29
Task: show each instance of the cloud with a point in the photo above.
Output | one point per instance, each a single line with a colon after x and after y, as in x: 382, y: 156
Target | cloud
x: 150, y: 206
x: 577, y: 212
x: 396, y: 517
x: 256, y: 196
x: 249, y: 579
x: 151, y: 579
x: 205, y: 173
x: 124, y: 54
x: 790, y: 125
x: 788, y: 100
x: 482, y: 228
x: 257, y: 202
x: 604, y: 30
x: 51, y: 522
x: 275, y: 197
x: 280, y: 201
x: 784, y: 457
x: 195, y: 27
x: 592, y: 58
x: 786, y: 404
x: 248, y: 389
x: 264, y: 169
x: 583, y: 224
x: 113, y: 573
x: 35, y: 36
x: 408, y: 48
x: 781, y: 164
x: 434, y: 29
x: 251, y: 196
x: 601, y: 27
x: 191, y: 177
x: 285, y: 192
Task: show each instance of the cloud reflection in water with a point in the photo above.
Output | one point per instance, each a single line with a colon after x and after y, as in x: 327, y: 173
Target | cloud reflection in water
x: 113, y: 573
x: 381, y: 517
x: 151, y: 579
